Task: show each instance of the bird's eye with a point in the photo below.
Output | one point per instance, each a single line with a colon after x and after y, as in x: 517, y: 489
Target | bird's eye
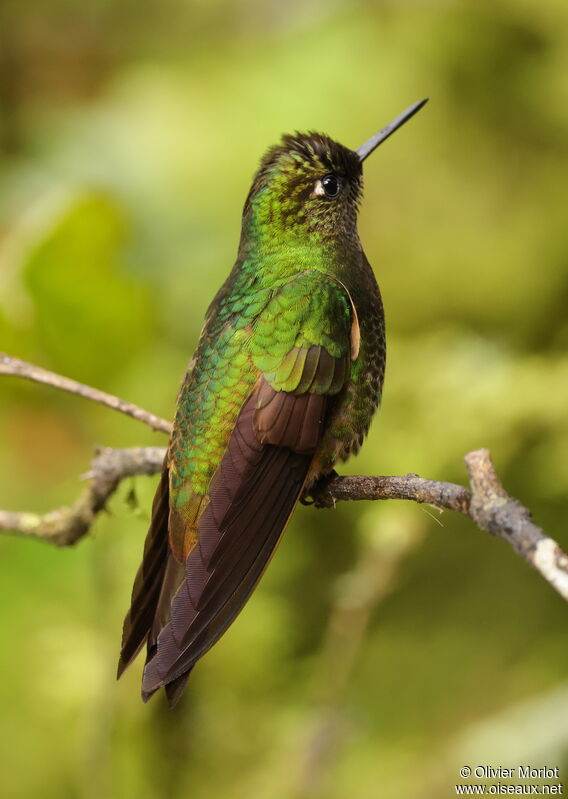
x: 330, y: 185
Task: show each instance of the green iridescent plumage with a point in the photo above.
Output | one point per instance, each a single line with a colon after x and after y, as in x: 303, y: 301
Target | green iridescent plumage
x: 284, y: 383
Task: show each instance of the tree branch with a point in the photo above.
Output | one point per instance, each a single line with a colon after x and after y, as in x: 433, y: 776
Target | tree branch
x: 494, y: 511
x: 14, y: 367
x: 486, y: 503
x: 65, y: 526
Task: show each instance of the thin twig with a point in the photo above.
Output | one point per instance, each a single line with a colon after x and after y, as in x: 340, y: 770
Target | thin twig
x: 65, y: 526
x: 494, y: 511
x: 487, y: 504
x: 447, y: 496
x: 14, y: 367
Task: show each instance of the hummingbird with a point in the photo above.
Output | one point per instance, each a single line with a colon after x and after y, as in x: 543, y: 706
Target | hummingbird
x: 283, y: 385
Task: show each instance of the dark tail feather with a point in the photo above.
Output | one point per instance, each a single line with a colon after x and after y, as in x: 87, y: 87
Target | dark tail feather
x: 148, y: 583
x: 146, y: 695
x: 174, y: 689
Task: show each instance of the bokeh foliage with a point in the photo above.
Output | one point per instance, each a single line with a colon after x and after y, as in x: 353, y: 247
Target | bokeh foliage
x: 129, y: 136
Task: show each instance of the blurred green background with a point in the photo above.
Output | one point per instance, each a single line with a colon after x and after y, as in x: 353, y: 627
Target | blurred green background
x: 387, y: 645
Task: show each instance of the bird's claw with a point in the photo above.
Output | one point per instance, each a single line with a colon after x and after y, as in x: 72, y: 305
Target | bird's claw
x: 313, y: 495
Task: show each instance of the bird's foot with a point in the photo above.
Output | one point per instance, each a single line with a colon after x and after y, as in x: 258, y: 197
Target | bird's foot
x: 317, y: 493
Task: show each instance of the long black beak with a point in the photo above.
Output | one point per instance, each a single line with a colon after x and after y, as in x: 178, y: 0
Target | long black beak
x: 366, y: 149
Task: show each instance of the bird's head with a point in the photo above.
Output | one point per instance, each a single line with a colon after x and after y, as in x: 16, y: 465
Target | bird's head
x: 308, y: 187
x: 306, y: 184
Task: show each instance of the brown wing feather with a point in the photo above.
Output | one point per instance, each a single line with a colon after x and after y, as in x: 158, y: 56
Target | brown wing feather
x: 174, y: 689
x: 205, y: 635
x: 251, y: 497
x: 149, y: 578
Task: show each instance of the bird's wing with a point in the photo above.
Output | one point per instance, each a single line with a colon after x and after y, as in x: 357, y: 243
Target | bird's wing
x: 301, y: 348
x: 149, y: 578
